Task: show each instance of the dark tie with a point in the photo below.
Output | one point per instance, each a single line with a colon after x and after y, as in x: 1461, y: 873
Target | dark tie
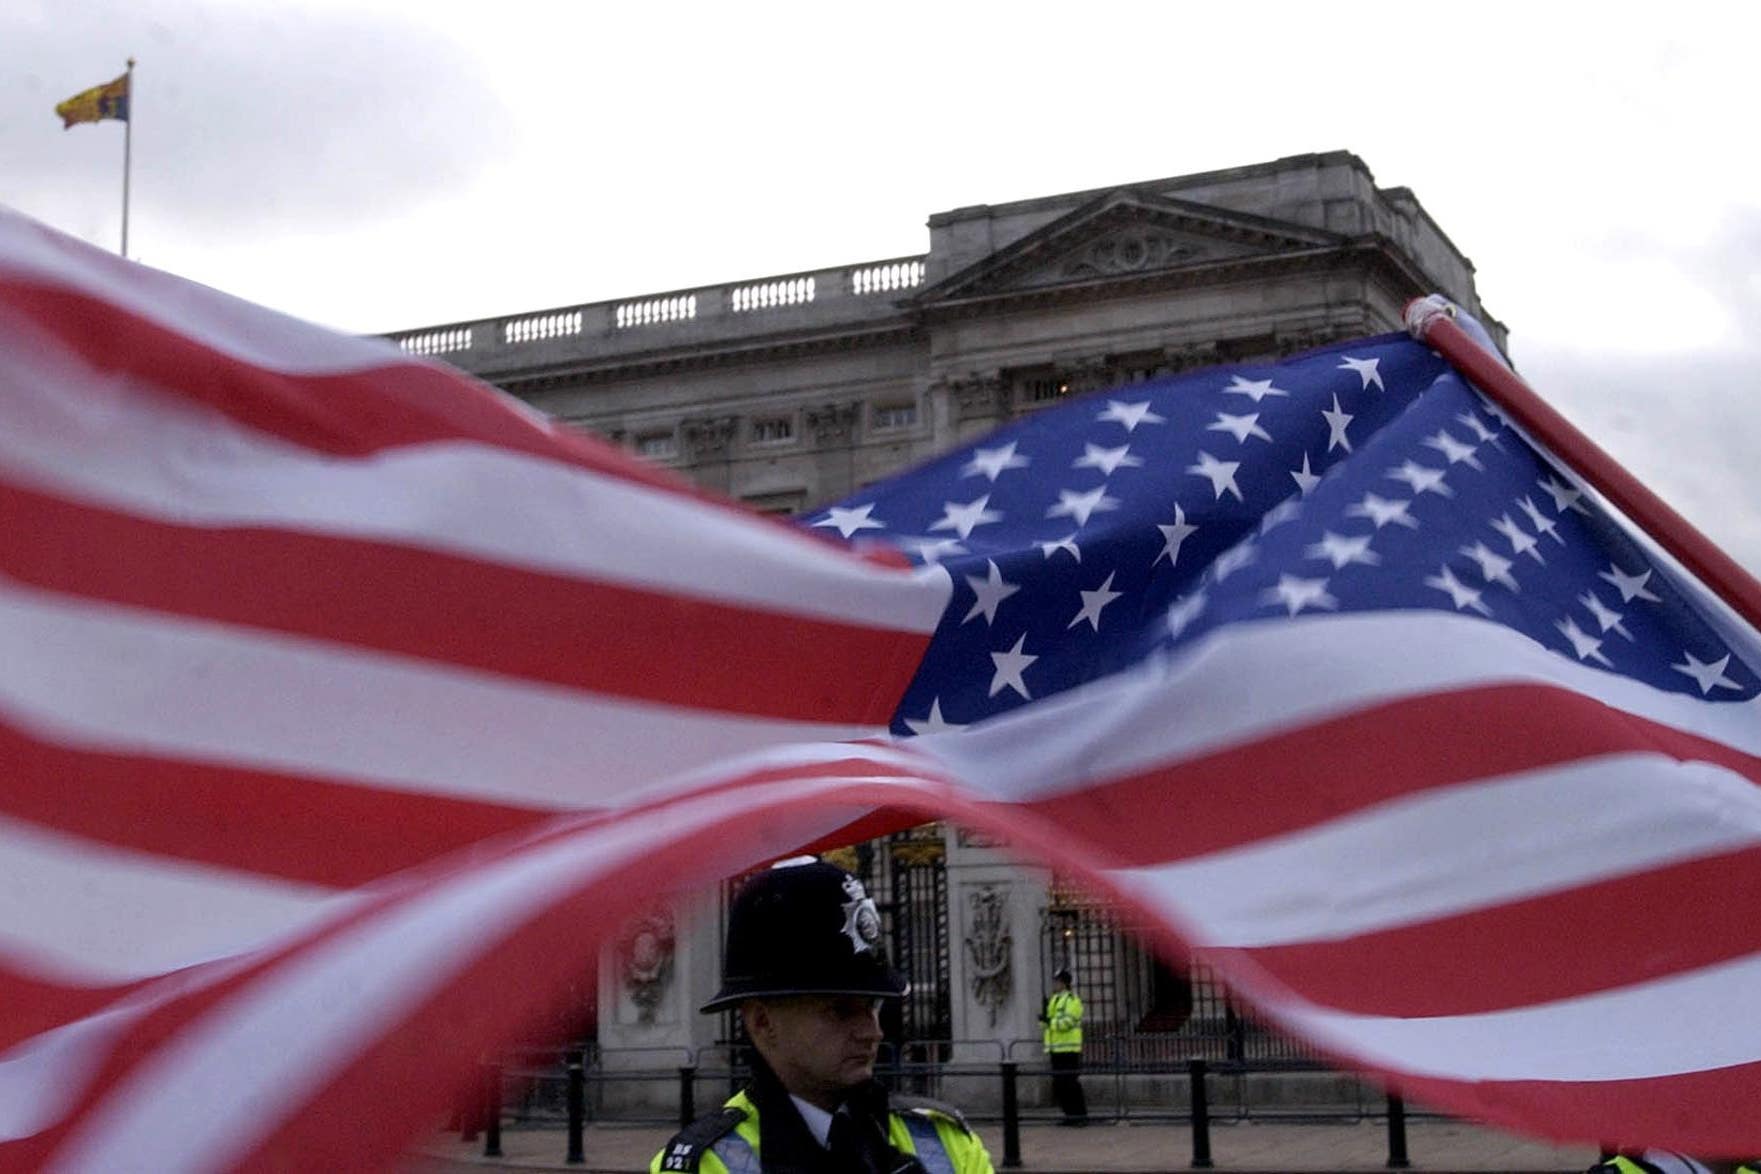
x: 844, y: 1142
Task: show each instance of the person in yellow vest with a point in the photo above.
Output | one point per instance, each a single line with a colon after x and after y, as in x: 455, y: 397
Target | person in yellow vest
x: 805, y: 967
x: 1063, y: 1039
x: 1667, y: 1162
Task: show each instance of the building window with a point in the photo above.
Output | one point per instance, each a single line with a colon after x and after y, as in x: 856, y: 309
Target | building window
x: 1044, y: 389
x: 658, y: 446
x: 892, y: 416
x: 775, y: 430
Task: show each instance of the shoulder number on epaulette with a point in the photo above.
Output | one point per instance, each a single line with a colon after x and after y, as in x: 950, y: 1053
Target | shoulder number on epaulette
x: 929, y: 1107
x: 689, y: 1145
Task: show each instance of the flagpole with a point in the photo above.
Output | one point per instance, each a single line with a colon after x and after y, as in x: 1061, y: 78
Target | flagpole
x: 128, y: 130
x: 1433, y: 324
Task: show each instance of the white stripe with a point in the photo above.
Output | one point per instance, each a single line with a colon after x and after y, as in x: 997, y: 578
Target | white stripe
x: 94, y: 439
x: 1692, y: 1022
x: 1456, y: 850
x: 316, y: 1012
x: 99, y: 677
x: 88, y: 914
x: 1252, y: 680
x: 37, y: 253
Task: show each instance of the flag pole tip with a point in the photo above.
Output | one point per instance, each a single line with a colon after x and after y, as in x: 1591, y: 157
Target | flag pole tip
x: 1421, y: 313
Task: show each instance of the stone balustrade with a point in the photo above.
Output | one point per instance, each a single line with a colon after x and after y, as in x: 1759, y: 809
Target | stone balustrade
x: 605, y: 331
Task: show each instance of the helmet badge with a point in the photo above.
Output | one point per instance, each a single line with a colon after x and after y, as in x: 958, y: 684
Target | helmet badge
x: 861, y: 919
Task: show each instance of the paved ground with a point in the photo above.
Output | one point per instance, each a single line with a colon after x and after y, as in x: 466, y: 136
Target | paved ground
x: 1436, y: 1147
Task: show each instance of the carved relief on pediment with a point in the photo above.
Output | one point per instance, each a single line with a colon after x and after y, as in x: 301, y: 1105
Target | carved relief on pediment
x: 1130, y: 251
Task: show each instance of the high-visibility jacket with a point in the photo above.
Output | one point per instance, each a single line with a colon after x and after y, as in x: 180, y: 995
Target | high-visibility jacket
x: 728, y: 1142
x: 1661, y: 1162
x: 1063, y: 1022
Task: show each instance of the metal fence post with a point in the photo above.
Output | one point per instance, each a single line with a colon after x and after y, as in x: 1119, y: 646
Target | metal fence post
x: 687, y: 1094
x: 573, y: 1059
x: 492, y: 1110
x: 1397, y: 1133
x: 1011, y: 1118
x: 1201, y: 1115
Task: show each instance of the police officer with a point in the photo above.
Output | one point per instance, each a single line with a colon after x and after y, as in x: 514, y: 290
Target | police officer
x: 1667, y: 1162
x: 1063, y: 1042
x: 805, y: 967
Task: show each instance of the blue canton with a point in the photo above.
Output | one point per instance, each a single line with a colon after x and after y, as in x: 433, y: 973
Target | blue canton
x: 1360, y: 477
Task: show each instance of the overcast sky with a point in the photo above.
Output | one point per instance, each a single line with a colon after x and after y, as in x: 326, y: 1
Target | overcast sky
x: 379, y: 164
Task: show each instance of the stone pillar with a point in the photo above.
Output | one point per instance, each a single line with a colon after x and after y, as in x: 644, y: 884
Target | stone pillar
x: 653, y: 976
x: 993, y: 918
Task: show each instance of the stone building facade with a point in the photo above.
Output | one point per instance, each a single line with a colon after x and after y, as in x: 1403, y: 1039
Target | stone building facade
x: 792, y: 390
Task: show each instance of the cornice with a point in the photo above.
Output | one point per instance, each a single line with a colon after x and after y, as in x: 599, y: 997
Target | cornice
x: 700, y: 357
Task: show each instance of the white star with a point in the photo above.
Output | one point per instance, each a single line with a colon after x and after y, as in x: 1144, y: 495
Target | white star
x: 934, y: 723
x: 1631, y: 587
x: 1257, y: 389
x: 1221, y: 474
x: 1709, y: 675
x: 1382, y: 511
x: 1461, y: 593
x: 1072, y: 504
x: 1519, y: 539
x: 989, y: 591
x: 1093, y: 602
x: 1606, y: 617
x: 1478, y: 428
x: 848, y: 521
x: 1453, y: 449
x: 1287, y: 510
x: 1585, y: 645
x: 1173, y: 536
x: 1342, y: 551
x: 1422, y: 478
x: 1540, y: 521
x: 1493, y: 568
x: 1564, y: 496
x: 1365, y: 368
x: 1010, y: 666
x: 1130, y: 415
x: 1240, y: 427
x: 1106, y: 459
x: 932, y: 550
x: 1184, y: 611
x: 1068, y: 542
x: 964, y: 519
x: 1296, y: 594
x: 1336, y: 424
x: 1232, y: 560
x: 993, y: 461
x: 1305, y: 480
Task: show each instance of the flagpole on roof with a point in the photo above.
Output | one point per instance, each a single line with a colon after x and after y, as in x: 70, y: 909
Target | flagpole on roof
x: 1432, y: 321
x: 128, y: 130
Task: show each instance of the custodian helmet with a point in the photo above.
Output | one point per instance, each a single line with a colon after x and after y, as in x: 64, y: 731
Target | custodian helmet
x: 804, y: 927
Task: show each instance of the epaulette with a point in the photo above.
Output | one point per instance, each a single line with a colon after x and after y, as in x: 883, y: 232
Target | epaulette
x: 689, y: 1144
x: 929, y: 1106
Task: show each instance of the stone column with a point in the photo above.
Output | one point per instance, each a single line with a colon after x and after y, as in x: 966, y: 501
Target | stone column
x: 653, y: 976
x: 993, y: 920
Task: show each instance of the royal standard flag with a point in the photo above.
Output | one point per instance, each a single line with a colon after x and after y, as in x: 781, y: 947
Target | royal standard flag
x: 109, y: 100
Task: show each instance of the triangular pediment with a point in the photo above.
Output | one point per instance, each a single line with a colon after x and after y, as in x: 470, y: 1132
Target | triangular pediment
x: 1122, y: 235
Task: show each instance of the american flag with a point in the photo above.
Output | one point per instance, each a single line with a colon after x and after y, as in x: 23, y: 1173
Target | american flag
x: 350, y: 707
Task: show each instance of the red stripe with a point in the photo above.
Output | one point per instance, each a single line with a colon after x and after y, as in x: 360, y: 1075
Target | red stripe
x: 301, y: 829
x: 471, y: 1013
x: 615, y: 640
x: 1621, y: 932
x: 30, y: 1004
x: 1296, y: 779
x: 1706, y: 1113
x: 405, y: 401
x: 352, y: 413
